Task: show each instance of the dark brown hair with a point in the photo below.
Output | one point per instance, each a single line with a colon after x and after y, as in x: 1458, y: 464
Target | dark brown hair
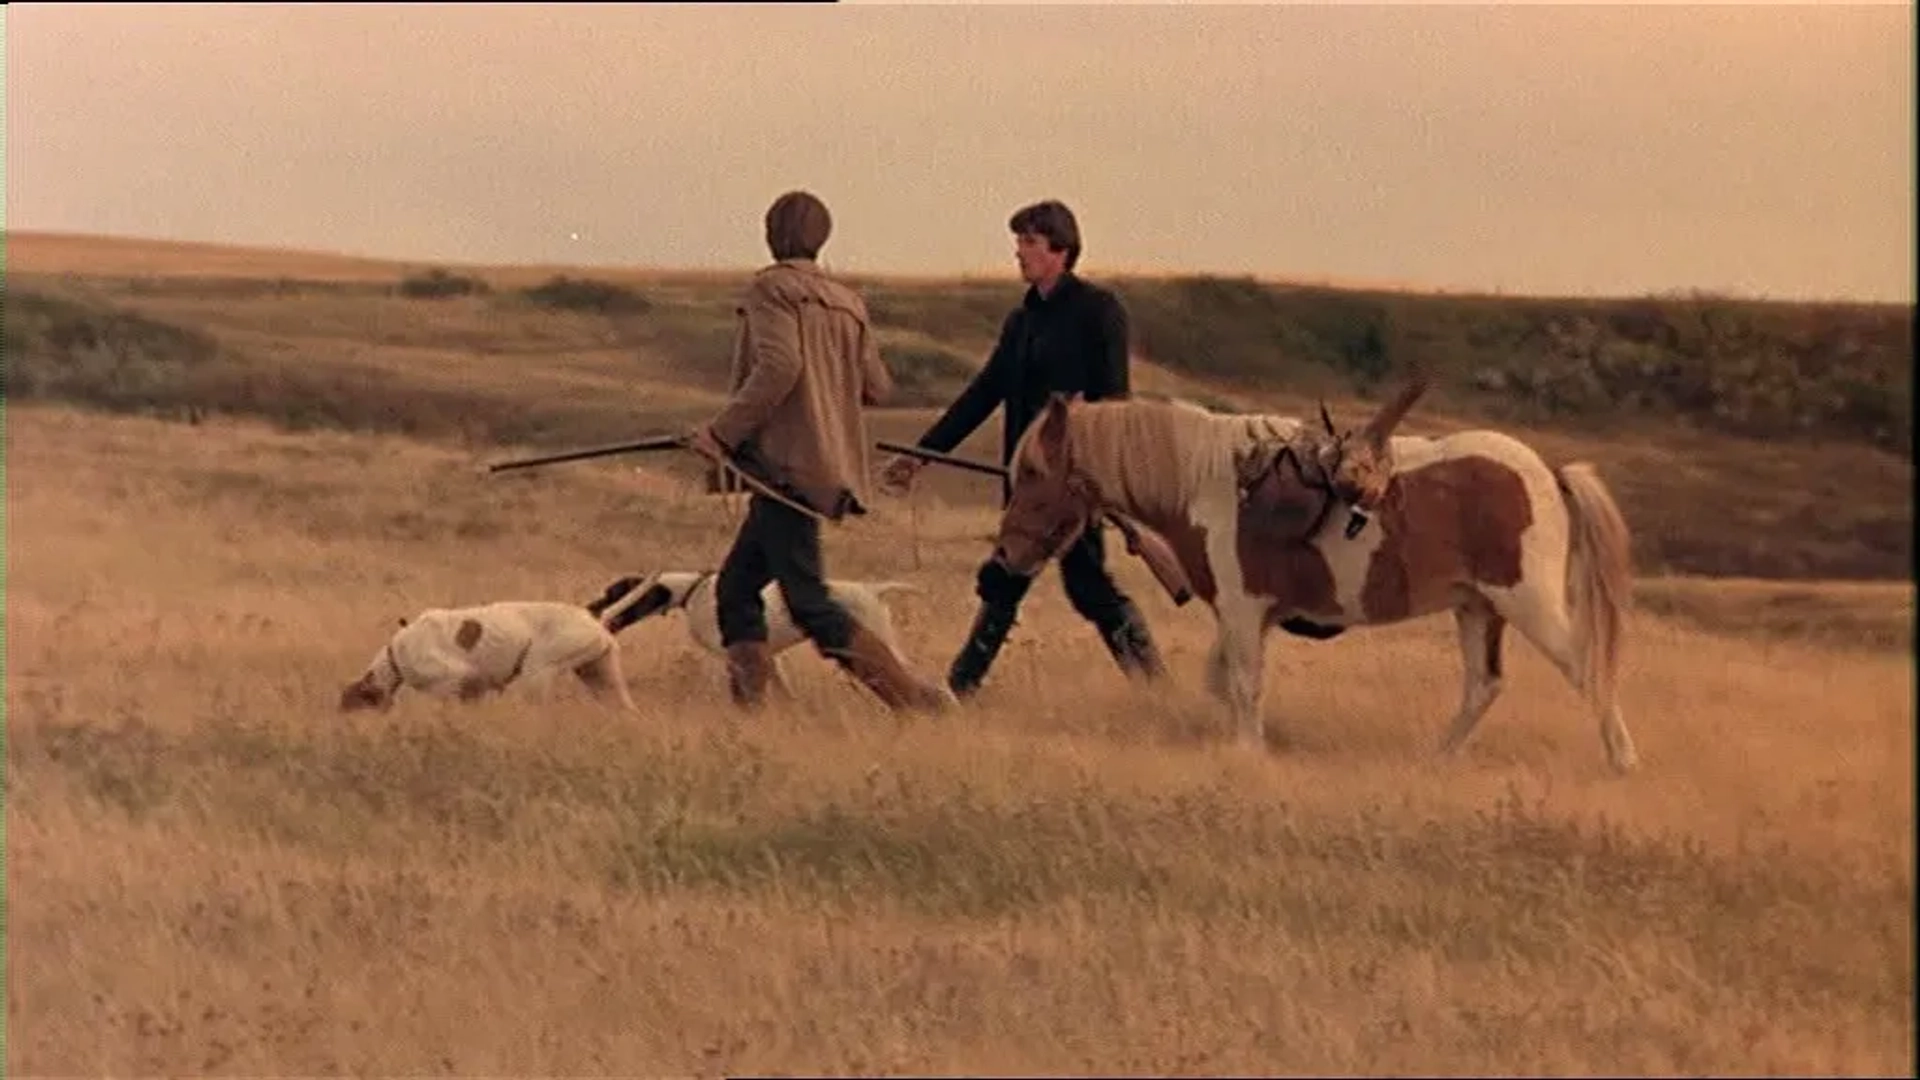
x: 1052, y: 220
x: 797, y: 226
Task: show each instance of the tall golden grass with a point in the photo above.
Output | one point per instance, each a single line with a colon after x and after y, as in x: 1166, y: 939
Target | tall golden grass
x: 211, y: 872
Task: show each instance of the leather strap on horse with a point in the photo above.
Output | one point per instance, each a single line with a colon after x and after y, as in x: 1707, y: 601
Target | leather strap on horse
x: 1156, y: 553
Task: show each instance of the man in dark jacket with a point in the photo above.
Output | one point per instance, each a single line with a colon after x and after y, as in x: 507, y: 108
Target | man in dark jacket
x: 1067, y: 335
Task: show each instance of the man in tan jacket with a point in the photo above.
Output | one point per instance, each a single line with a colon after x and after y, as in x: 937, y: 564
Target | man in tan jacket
x: 806, y: 361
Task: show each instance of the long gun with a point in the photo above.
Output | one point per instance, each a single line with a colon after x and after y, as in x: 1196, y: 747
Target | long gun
x: 945, y: 459
x: 746, y: 470
x: 680, y: 442
x: 655, y: 442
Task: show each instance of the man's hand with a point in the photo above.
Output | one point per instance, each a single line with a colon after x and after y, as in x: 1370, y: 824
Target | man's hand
x: 897, y: 476
x: 701, y: 441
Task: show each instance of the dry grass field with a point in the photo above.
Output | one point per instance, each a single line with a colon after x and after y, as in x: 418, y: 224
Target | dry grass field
x: 211, y: 872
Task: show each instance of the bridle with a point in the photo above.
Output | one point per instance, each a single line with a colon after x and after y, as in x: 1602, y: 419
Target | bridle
x: 1086, y: 499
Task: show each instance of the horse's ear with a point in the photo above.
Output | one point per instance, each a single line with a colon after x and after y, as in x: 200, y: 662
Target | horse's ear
x: 1326, y: 418
x: 1053, y: 421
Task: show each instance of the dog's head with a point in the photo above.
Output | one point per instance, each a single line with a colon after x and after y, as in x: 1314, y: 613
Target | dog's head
x: 365, y: 693
x: 380, y: 683
x: 633, y: 598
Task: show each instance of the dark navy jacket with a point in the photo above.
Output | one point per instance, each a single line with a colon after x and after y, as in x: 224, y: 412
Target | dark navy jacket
x: 1072, y: 341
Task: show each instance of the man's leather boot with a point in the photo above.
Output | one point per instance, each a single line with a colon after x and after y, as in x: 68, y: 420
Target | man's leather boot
x: 1131, y: 644
x: 989, y: 632
x: 749, y: 669
x: 868, y: 659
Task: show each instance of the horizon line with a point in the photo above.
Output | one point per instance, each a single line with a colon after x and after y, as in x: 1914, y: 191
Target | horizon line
x: 970, y: 275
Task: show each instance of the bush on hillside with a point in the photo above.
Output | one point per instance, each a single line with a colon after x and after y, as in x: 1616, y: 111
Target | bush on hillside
x: 97, y: 355
x: 1750, y: 368
x: 924, y: 375
x: 1730, y: 370
x: 585, y: 294
x: 437, y: 283
x: 1239, y: 330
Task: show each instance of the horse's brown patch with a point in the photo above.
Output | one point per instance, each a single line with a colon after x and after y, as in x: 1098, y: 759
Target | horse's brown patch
x: 1295, y: 576
x: 1443, y: 524
x: 468, y: 635
x: 1281, y: 506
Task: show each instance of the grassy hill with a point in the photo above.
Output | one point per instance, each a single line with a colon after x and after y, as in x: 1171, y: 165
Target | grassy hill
x: 1744, y: 438
x: 212, y: 872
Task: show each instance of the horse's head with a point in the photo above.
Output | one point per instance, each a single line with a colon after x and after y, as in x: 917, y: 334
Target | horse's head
x: 1358, y: 465
x: 1052, y: 500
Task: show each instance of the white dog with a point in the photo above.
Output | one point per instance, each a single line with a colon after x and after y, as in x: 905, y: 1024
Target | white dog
x: 633, y: 598
x: 471, y: 651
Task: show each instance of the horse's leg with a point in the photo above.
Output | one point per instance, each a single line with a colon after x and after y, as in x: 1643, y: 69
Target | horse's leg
x: 1542, y: 616
x: 1480, y: 629
x: 1216, y: 671
x: 1241, y: 641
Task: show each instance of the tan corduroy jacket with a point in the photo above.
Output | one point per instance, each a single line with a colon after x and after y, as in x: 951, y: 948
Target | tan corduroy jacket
x: 805, y: 363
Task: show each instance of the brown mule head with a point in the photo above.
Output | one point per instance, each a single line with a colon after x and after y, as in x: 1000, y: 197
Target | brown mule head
x: 1051, y: 502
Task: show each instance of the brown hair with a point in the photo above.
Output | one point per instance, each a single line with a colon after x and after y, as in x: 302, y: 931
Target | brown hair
x: 797, y: 226
x: 1052, y: 220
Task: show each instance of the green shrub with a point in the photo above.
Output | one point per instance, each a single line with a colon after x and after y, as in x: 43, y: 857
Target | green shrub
x: 924, y: 375
x: 97, y: 355
x: 585, y: 294
x: 437, y: 283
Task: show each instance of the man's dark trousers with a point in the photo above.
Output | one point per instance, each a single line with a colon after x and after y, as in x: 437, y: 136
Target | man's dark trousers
x: 1090, y: 589
x: 778, y: 543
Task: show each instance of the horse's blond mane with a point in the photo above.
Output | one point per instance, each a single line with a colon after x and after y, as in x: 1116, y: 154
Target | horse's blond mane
x: 1160, y: 455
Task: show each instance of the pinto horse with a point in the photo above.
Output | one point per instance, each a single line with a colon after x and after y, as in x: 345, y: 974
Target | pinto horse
x: 1241, y: 511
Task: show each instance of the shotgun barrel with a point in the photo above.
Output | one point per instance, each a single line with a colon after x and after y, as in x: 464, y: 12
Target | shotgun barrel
x: 957, y: 462
x: 655, y: 442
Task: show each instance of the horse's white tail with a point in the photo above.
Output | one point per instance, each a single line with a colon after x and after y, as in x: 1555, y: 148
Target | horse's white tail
x: 1599, y: 578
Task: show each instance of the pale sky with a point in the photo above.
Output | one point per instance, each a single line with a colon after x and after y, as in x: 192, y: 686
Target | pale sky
x: 1760, y: 150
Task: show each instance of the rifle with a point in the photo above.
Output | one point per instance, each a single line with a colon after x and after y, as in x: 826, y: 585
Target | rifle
x: 945, y: 459
x: 748, y: 471
x: 680, y: 442
x: 652, y: 442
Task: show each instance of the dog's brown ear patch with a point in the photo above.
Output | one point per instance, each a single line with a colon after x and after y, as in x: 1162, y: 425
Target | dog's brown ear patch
x: 468, y: 635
